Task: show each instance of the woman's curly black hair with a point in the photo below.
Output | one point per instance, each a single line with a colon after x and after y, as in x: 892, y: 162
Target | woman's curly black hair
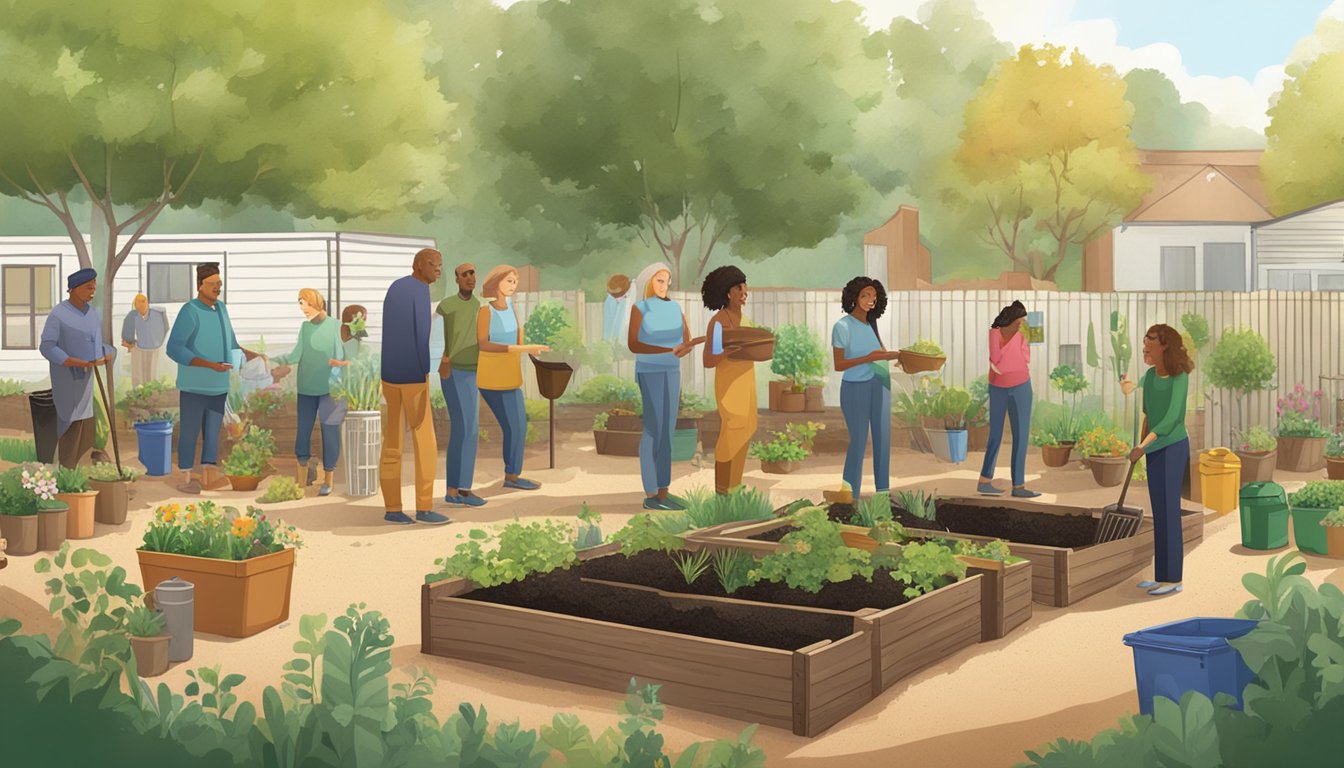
x: 849, y: 298
x: 714, y: 291
x: 1009, y: 315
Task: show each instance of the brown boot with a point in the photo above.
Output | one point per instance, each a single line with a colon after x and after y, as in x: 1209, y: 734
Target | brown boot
x: 723, y: 472
x: 328, y: 482
x: 301, y: 473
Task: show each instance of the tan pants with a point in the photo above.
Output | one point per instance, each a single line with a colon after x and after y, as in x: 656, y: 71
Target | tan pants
x: 412, y: 400
x: 144, y: 365
x: 76, y: 442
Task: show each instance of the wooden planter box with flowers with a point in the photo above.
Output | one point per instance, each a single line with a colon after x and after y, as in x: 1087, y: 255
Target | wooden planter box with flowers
x: 242, y: 565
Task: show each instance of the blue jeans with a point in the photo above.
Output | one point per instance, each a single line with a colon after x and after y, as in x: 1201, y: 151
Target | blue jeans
x: 464, y: 414
x: 661, y: 393
x: 303, y: 439
x: 1166, y: 469
x: 201, y: 416
x: 1015, y: 402
x: 867, y: 408
x: 507, y: 405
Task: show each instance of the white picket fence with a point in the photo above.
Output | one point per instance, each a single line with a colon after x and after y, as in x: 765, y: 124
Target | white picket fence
x: 1302, y: 330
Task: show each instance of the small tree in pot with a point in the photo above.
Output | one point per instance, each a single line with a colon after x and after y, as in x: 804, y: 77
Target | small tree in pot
x: 1242, y: 363
x: 1257, y: 450
x: 801, y: 360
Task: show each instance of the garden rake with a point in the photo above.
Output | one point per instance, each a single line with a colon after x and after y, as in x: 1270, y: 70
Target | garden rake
x: 111, y: 414
x: 1117, y: 520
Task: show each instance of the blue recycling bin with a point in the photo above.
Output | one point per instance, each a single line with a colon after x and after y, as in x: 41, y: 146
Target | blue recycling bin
x: 1189, y: 655
x: 156, y: 446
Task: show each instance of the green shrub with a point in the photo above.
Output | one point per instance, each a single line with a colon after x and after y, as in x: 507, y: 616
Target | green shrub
x: 250, y: 457
x: 281, y: 489
x: 546, y: 322
x: 17, y: 451
x: 11, y: 387
x: 106, y: 472
x: 1257, y: 439
x: 72, y: 480
x: 799, y: 356
x: 813, y: 556
x: 1334, y: 446
x: 1319, y: 494
x: 607, y: 389
x: 652, y: 531
x: 519, y: 550
x: 793, y: 444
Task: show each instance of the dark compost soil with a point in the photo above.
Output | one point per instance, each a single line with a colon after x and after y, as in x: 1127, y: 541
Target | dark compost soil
x: 1013, y: 525
x: 657, y: 570
x: 562, y: 592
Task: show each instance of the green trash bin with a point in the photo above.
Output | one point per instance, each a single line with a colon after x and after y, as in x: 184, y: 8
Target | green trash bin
x: 1264, y: 516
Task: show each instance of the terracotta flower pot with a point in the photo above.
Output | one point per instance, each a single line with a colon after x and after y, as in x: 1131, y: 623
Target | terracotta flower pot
x: 611, y: 442
x: 1056, y: 455
x: 151, y: 654
x: 234, y: 598
x: 780, y: 467
x: 1301, y: 454
x: 51, y: 527
x: 813, y: 402
x: 244, y: 482
x: 79, y: 521
x: 109, y: 508
x: 792, y: 402
x: 1108, y: 471
x: 1334, y: 541
x: 1258, y: 466
x: 1334, y: 467
x: 21, y: 531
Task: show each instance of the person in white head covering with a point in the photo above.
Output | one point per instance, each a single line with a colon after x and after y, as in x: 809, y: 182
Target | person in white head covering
x: 659, y: 337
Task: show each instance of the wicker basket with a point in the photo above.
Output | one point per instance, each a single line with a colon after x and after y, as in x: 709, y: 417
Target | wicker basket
x: 914, y: 362
x: 757, y: 344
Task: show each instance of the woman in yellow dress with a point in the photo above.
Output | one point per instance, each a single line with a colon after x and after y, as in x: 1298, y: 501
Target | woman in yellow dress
x: 725, y: 292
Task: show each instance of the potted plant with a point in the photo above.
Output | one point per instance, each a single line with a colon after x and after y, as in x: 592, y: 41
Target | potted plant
x: 18, y: 512
x: 40, y: 481
x: 1069, y: 381
x: 1333, y: 524
x: 249, y: 458
x: 949, y: 407
x: 1257, y: 450
x: 1301, y: 438
x: 686, y: 436
x: 909, y: 409
x: 114, y: 492
x: 72, y: 487
x: 1310, y: 505
x: 618, y: 442
x: 149, y: 641
x: 242, y: 565
x: 1334, y: 456
x: 786, y: 451
x: 800, y: 359
x: 360, y: 386
x: 977, y: 416
x: 1241, y: 362
x: 1054, y: 453
x: 1107, y: 455
x: 923, y: 355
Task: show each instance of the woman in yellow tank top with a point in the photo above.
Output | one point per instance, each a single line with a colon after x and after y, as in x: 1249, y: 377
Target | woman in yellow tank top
x: 725, y: 291
x: 499, y: 369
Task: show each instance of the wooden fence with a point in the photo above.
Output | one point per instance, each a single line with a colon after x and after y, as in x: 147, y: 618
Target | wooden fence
x: 1302, y: 330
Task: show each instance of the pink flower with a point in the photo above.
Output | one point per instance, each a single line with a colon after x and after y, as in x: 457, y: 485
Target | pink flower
x: 1318, y: 393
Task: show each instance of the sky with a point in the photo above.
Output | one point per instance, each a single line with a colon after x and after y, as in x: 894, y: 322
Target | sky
x: 1226, y: 54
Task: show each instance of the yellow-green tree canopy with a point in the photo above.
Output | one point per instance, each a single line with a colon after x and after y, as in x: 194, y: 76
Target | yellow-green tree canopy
x: 1047, y: 142
x: 1303, y: 164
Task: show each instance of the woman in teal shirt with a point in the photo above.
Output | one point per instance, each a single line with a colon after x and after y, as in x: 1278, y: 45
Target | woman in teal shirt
x: 318, y: 353
x: 1167, y: 447
x: 865, y: 384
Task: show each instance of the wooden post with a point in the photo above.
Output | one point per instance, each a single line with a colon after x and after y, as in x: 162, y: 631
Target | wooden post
x: 552, y: 441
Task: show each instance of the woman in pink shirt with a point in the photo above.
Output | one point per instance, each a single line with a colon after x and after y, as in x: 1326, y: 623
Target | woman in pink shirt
x: 1010, y: 395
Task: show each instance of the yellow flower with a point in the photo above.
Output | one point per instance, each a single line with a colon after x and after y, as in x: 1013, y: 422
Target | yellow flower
x: 167, y: 514
x: 243, y: 527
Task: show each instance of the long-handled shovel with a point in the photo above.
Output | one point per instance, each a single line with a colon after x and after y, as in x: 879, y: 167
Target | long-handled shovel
x: 111, y: 414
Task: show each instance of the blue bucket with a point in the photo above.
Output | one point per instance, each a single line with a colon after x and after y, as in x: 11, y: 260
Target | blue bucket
x: 957, y: 441
x: 156, y: 446
x: 1189, y: 655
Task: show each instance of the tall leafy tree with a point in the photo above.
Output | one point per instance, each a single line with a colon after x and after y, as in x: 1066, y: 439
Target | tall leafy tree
x: 1302, y: 166
x: 695, y: 124
x: 1162, y: 121
x: 323, y: 107
x: 1047, y: 140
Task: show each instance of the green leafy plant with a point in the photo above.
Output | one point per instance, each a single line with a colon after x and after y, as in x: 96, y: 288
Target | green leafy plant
x: 282, y: 489
x: 106, y: 472
x: 1241, y: 362
x: 799, y: 355
x: 606, y: 389
x: 600, y: 421
x: 951, y: 404
x: 1102, y: 442
x: 978, y: 414
x: 868, y: 512
x: 515, y: 551
x: 1195, y: 333
x: 705, y: 508
x: 1319, y: 494
x: 926, y: 567
x: 142, y: 397
x: 793, y: 444
x: 250, y: 457
x: 652, y: 531
x: 1334, y: 519
x: 1334, y: 445
x: 732, y: 567
x: 693, y: 405
x: 142, y: 622
x: 361, y: 384
x: 152, y: 416
x: 588, y: 533
x: 17, y: 451
x: 71, y: 480
x: 692, y: 565
x: 11, y: 387
x: 887, y: 531
x: 263, y: 403
x: 813, y: 555
x: 1071, y: 382
x: 925, y: 347
x: 25, y: 489
x: 546, y: 322
x: 918, y: 503
x: 990, y: 550
x: 1257, y: 439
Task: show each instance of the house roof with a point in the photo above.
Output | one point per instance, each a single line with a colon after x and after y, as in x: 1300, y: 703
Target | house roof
x: 1203, y: 186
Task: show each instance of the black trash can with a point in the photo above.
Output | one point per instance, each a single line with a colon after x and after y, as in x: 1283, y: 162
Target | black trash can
x: 43, y: 408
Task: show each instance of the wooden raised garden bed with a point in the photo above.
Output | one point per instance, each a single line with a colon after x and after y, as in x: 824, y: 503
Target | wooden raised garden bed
x: 806, y: 686
x: 1066, y: 567
x: 1005, y: 600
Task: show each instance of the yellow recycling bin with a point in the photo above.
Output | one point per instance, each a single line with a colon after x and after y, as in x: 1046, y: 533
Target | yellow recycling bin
x: 1220, y: 479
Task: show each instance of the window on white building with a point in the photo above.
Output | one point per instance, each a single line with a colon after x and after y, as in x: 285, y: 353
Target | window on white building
x: 1330, y: 282
x: 1071, y: 355
x: 1224, y: 266
x: 170, y: 283
x: 28, y: 300
x: 1178, y: 268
